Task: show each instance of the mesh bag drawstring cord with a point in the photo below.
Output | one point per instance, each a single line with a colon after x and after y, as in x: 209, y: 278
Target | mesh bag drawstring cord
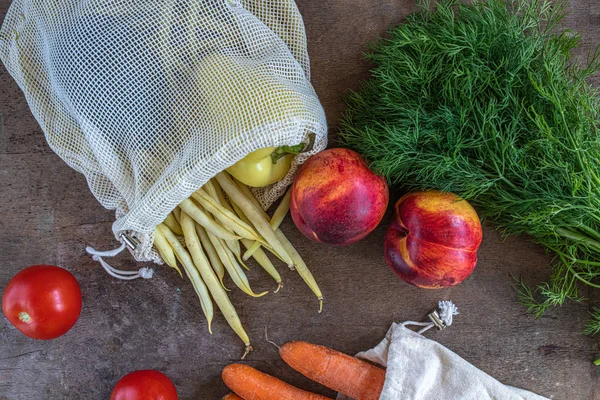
x: 143, y: 272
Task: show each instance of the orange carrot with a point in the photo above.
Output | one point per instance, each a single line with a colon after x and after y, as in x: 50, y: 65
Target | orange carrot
x: 231, y: 396
x: 251, y: 384
x: 348, y: 375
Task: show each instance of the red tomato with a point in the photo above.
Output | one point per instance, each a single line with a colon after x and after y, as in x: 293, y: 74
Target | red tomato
x: 144, y: 385
x: 42, y: 301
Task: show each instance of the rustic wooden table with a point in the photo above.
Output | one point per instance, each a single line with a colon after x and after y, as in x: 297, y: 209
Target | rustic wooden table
x: 49, y: 216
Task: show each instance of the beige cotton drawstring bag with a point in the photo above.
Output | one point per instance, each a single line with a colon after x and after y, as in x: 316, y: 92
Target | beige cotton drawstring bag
x: 418, y: 368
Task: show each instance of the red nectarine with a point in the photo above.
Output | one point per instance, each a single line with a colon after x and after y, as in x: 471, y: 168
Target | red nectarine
x: 336, y: 199
x: 433, y: 238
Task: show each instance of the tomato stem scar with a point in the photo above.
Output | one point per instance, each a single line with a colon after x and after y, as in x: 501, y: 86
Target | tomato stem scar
x: 24, y: 317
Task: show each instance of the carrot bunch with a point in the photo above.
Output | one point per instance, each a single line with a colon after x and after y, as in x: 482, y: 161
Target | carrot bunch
x: 338, y: 371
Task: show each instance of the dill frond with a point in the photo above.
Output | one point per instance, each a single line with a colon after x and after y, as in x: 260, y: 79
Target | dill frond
x: 593, y: 325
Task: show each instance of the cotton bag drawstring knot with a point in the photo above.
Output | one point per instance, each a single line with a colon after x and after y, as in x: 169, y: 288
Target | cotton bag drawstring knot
x: 440, y: 320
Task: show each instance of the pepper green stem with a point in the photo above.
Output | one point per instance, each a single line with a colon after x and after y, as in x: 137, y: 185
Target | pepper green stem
x: 297, y: 149
x: 597, y: 362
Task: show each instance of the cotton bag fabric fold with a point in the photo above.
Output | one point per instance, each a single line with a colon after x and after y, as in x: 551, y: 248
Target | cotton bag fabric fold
x: 419, y: 368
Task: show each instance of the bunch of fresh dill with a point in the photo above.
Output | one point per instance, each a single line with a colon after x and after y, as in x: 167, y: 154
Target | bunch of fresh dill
x: 485, y: 100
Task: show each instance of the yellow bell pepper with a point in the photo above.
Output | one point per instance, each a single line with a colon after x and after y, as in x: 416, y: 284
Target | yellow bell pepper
x: 239, y: 97
x: 263, y: 167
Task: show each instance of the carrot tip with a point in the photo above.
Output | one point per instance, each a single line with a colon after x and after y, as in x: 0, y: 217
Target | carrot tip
x: 247, y: 351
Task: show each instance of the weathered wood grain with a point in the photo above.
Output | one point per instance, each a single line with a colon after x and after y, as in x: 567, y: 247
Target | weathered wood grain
x: 49, y: 216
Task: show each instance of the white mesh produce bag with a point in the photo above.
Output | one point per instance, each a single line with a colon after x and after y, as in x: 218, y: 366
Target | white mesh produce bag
x: 150, y: 99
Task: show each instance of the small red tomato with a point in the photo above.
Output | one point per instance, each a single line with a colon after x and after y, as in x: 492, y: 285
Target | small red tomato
x: 42, y: 301
x: 144, y: 385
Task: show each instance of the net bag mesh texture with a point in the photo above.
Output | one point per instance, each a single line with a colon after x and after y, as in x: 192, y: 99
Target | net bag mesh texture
x: 150, y: 99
